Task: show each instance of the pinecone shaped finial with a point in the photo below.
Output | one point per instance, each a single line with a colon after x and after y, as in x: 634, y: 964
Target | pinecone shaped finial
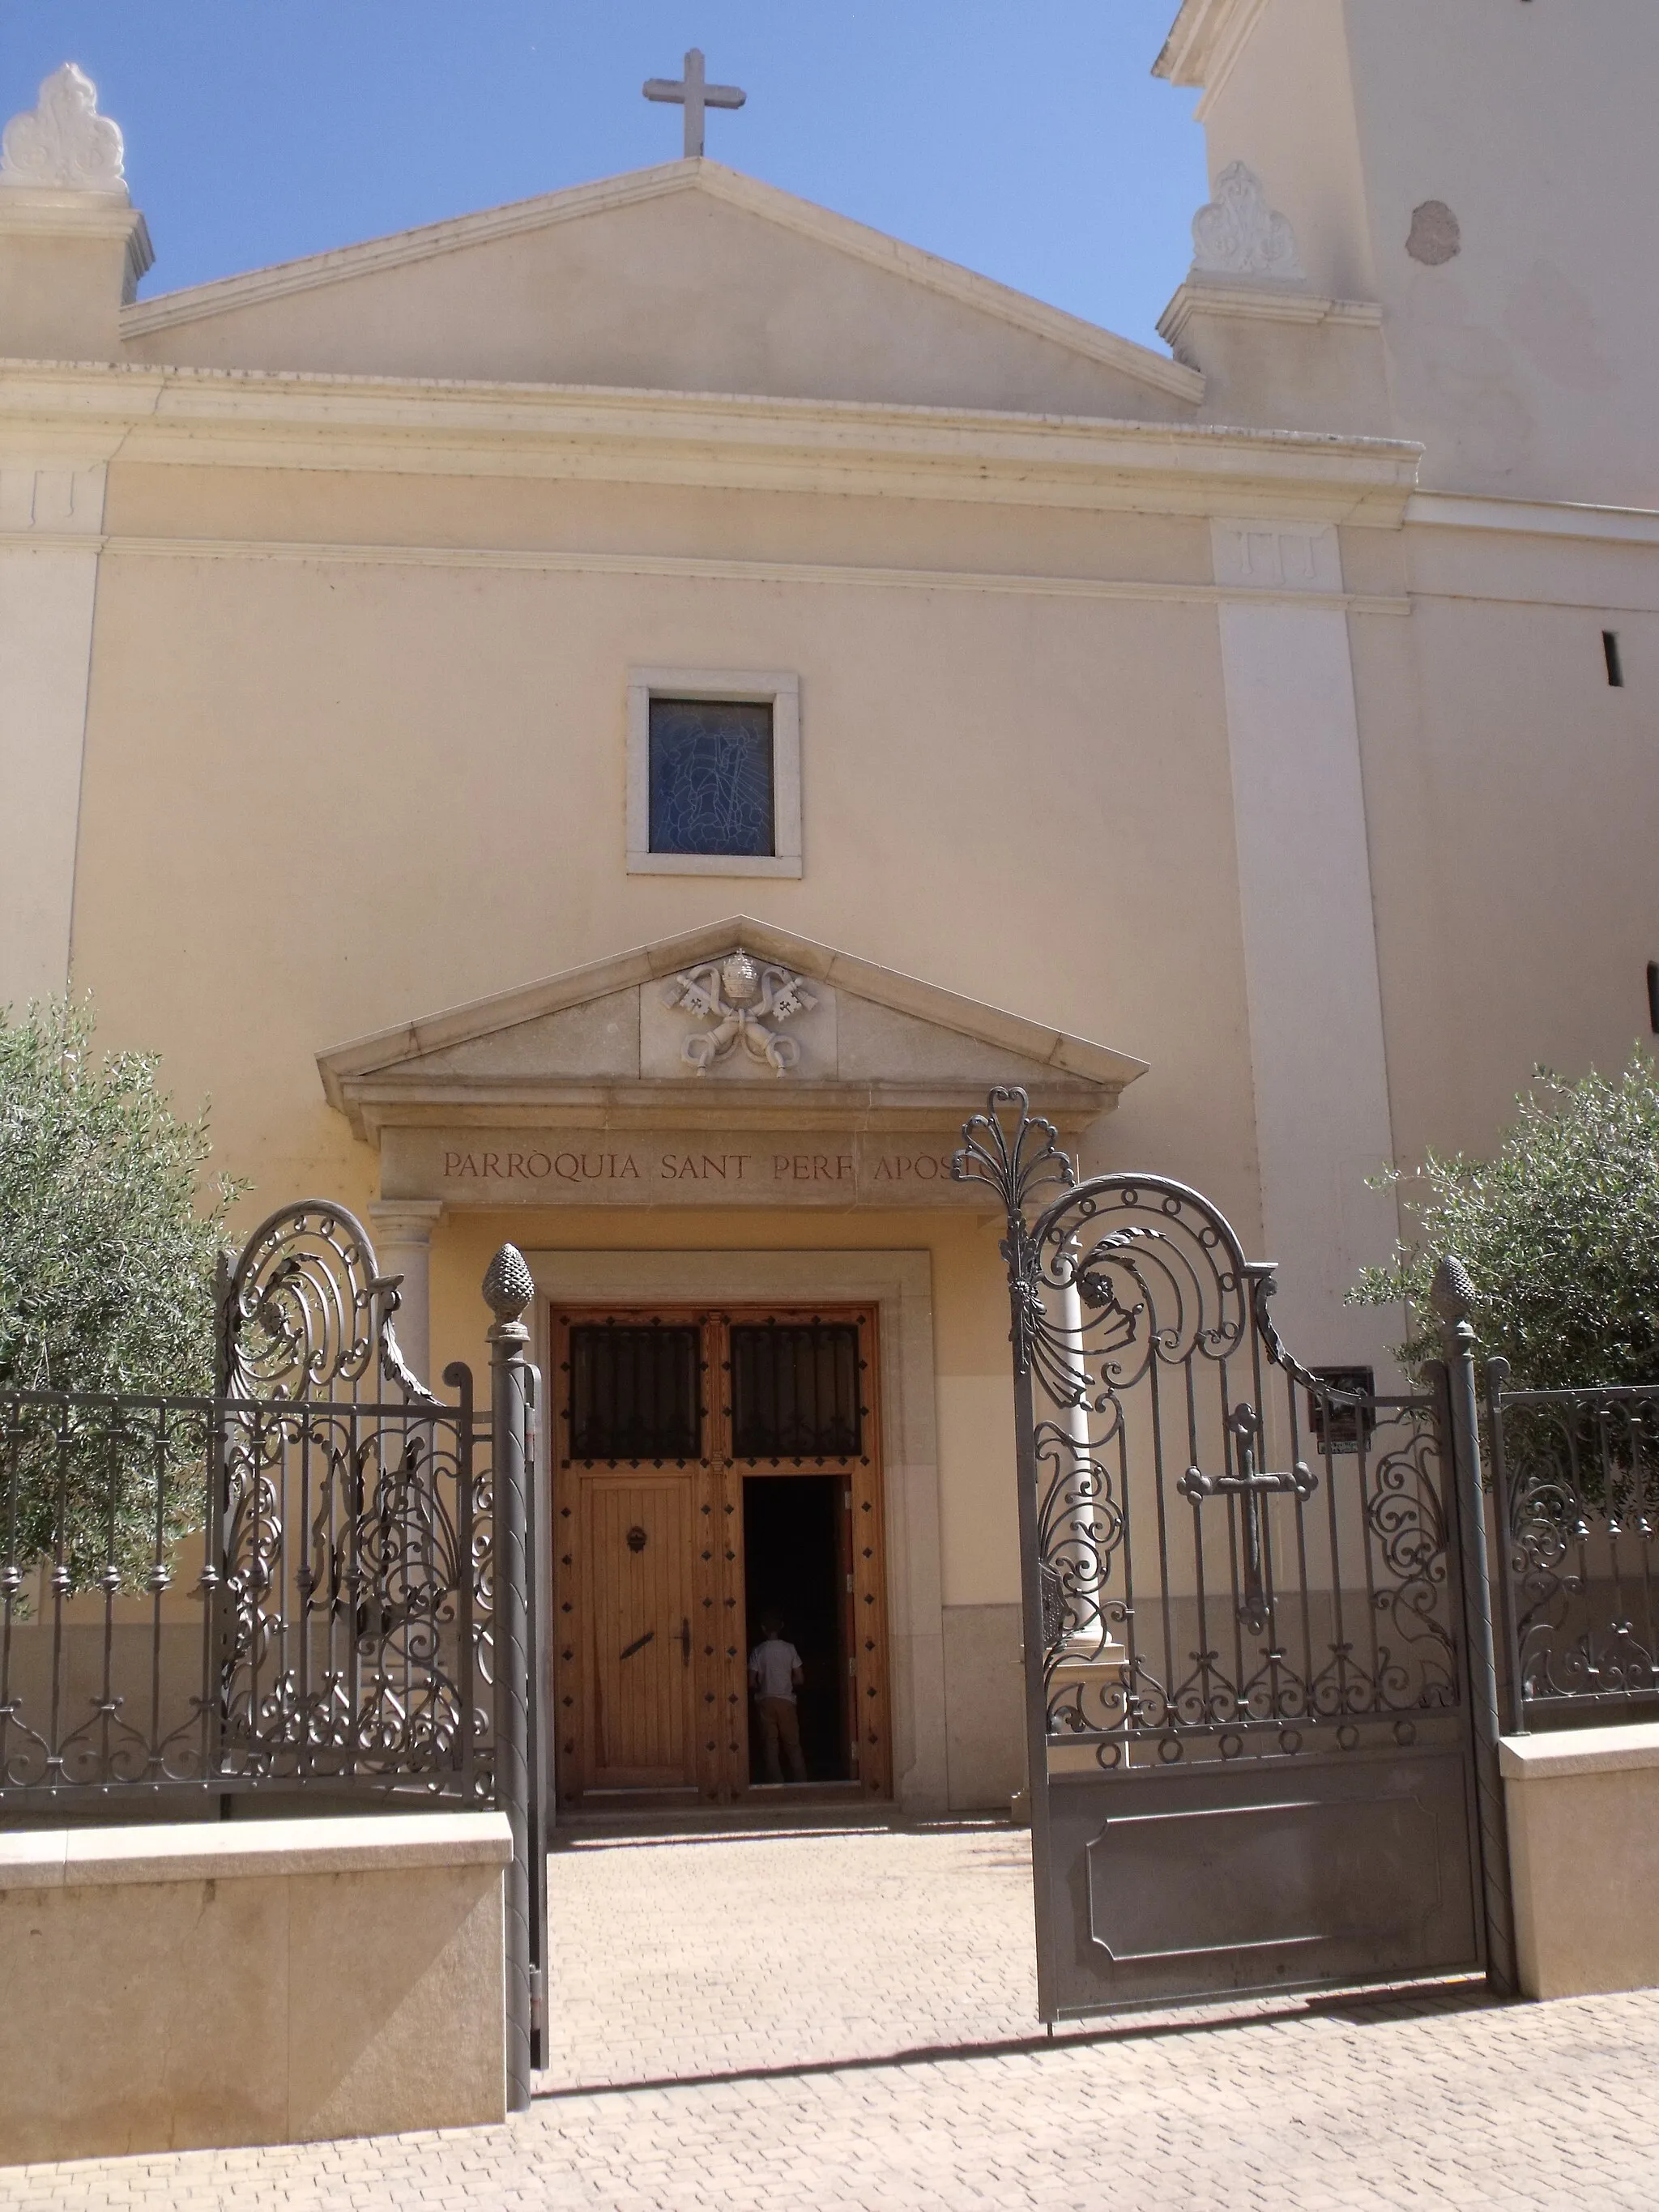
x: 509, y: 1284
x: 1453, y: 1294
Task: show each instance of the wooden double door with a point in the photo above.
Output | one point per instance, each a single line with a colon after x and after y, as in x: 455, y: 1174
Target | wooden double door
x: 713, y: 1471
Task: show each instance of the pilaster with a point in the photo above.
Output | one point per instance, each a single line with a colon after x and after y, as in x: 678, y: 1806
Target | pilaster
x: 403, y: 1231
x: 1319, y: 1065
x: 72, y: 249
x: 52, y: 516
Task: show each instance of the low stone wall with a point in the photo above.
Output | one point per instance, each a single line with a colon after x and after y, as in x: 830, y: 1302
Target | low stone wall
x: 250, y: 1981
x: 1584, y: 1824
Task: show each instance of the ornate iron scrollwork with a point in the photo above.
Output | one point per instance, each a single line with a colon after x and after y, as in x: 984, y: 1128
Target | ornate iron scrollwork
x: 1579, y: 1475
x: 1018, y: 1154
x: 1196, y: 1601
x: 306, y: 1311
x: 353, y: 1585
x: 341, y: 1516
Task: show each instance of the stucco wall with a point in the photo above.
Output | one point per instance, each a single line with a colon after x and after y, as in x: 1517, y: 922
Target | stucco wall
x: 329, y: 790
x: 1520, y: 362
x: 1511, y: 796
x: 387, y: 786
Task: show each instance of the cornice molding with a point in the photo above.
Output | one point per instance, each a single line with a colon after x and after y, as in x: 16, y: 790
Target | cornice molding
x: 1528, y: 517
x: 374, y: 1104
x: 28, y: 212
x: 240, y: 418
x: 1609, y: 527
x: 945, y: 278
x: 1260, y: 303
x: 1204, y: 40
x: 58, y: 213
x: 702, y: 568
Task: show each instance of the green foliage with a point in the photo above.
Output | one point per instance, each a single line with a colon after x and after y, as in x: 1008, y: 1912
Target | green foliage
x: 108, y: 1239
x: 1559, y: 1231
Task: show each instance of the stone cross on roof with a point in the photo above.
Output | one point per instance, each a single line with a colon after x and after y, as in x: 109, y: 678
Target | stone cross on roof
x: 694, y: 94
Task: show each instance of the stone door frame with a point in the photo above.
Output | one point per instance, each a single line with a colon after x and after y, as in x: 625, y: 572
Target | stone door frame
x: 899, y: 1285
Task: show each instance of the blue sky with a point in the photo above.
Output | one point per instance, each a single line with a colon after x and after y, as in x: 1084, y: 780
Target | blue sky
x: 1026, y: 139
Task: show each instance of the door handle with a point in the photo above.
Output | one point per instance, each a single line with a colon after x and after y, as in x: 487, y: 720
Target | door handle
x: 638, y: 1644
x: 686, y: 1641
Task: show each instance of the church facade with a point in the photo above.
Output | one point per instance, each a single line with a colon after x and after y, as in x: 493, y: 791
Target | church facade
x: 613, y: 721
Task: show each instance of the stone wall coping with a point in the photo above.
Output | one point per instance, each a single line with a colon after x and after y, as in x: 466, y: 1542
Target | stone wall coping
x: 1578, y: 1751
x: 203, y: 1851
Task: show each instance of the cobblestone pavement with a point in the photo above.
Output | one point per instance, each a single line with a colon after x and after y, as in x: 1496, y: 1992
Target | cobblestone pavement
x: 845, y: 2020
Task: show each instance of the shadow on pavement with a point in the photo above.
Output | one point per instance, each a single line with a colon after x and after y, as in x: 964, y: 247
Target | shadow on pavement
x: 1382, y: 2008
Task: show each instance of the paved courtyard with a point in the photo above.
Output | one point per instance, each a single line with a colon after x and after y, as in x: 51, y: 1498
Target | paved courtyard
x: 844, y: 2019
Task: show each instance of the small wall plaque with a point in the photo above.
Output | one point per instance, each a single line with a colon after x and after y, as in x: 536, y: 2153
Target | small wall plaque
x: 1338, y: 1427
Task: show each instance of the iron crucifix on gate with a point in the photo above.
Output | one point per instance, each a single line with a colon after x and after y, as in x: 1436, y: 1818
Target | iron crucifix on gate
x: 1249, y: 1484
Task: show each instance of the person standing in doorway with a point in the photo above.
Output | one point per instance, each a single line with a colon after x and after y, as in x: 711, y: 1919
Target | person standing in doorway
x: 775, y: 1679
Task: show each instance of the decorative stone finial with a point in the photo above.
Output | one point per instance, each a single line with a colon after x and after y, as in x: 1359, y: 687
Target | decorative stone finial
x: 509, y: 1284
x: 65, y: 144
x: 1453, y: 1294
x: 1239, y: 234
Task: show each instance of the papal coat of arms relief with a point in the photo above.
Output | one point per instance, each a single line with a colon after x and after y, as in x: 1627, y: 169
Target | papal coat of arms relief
x: 741, y: 998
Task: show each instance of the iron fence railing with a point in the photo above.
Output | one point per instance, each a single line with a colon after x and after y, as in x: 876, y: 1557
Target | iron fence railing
x: 315, y: 1582
x: 1576, y: 1490
x: 204, y: 1596
x: 287, y: 1585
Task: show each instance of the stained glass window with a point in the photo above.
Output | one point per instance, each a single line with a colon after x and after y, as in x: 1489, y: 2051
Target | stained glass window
x: 711, y: 776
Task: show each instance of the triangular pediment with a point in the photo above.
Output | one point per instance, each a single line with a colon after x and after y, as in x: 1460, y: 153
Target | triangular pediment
x: 740, y: 1022
x: 688, y: 277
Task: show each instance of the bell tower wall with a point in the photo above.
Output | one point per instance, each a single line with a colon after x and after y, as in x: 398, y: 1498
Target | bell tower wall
x: 1485, y: 173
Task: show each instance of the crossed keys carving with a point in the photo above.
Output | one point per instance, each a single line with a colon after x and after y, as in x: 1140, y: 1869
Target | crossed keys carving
x: 740, y: 997
x: 1249, y: 1484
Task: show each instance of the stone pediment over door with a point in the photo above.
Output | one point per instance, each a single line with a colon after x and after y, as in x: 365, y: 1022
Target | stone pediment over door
x: 735, y: 1064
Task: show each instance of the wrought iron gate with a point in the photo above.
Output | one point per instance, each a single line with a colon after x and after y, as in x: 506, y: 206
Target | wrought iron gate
x: 1256, y: 1761
x: 351, y: 1632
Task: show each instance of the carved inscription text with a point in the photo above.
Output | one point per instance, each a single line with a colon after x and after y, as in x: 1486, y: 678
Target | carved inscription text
x: 564, y: 1168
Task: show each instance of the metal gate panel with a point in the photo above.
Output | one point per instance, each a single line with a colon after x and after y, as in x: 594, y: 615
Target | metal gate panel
x: 1216, y: 1882
x: 1248, y: 1708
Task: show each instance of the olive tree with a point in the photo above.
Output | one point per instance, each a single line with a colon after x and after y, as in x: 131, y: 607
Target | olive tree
x: 1559, y: 1231
x: 109, y: 1232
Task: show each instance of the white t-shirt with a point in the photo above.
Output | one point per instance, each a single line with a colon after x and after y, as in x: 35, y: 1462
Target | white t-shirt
x: 772, y: 1669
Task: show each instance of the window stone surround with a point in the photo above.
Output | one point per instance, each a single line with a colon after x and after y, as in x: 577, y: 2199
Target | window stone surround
x: 776, y: 688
